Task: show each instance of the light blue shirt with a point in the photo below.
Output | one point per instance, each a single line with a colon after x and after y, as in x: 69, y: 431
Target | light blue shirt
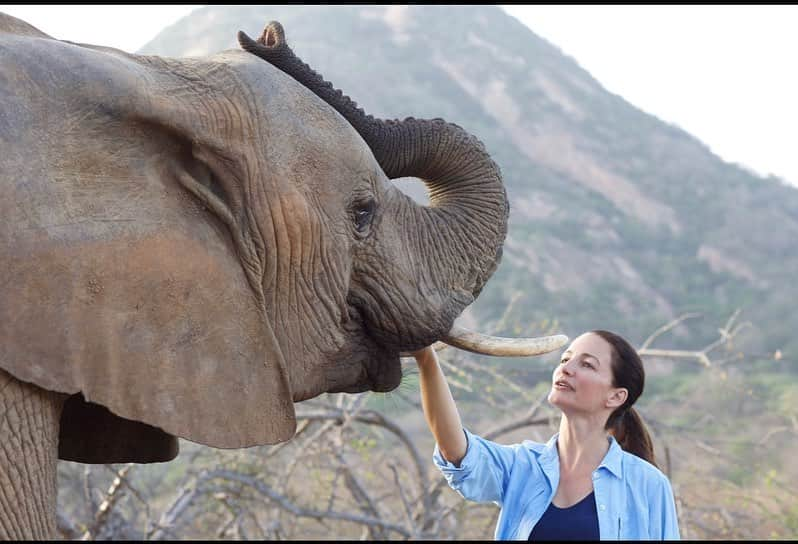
x: 634, y: 499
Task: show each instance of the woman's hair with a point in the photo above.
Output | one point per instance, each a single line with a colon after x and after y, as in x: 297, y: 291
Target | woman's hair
x: 625, y: 423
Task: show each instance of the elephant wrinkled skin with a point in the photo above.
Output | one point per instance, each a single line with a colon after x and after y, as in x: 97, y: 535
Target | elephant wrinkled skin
x: 192, y: 245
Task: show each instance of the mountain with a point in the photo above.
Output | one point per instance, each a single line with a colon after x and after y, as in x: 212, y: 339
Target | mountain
x: 618, y: 220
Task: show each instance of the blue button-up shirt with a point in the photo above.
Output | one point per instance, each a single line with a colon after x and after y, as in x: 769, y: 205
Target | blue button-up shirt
x: 634, y: 499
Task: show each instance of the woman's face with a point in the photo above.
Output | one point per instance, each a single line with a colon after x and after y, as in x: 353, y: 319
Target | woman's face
x: 582, y: 382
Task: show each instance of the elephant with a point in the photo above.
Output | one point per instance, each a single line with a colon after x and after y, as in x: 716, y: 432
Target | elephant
x: 191, y: 246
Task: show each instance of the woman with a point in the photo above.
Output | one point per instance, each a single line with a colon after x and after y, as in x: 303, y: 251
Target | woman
x: 594, y: 479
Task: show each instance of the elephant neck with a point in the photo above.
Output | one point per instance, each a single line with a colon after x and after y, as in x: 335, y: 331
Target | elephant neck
x: 29, y: 422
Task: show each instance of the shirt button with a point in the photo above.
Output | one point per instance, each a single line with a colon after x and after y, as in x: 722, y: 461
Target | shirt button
x: 602, y: 507
x: 595, y: 475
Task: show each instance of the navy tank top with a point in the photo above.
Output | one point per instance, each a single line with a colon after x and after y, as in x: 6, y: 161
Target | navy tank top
x: 577, y: 522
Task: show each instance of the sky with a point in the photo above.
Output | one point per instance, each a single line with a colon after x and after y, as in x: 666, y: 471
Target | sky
x: 725, y: 74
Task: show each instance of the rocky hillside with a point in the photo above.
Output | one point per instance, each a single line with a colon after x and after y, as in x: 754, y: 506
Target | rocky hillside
x: 618, y: 219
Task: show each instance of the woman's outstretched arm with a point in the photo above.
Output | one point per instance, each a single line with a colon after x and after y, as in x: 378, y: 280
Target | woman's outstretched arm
x: 439, y: 407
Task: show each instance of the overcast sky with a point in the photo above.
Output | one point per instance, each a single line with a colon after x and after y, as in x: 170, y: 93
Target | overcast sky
x: 725, y: 74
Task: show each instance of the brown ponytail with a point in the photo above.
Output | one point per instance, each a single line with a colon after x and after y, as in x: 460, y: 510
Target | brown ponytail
x: 625, y: 424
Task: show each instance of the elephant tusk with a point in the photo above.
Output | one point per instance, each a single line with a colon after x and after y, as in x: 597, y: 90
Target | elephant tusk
x: 498, y: 346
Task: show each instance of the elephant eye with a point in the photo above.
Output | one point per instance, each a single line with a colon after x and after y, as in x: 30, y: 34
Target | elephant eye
x: 363, y: 214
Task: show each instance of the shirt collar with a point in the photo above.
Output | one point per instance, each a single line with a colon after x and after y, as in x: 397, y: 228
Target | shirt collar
x: 550, y: 458
x: 612, y: 461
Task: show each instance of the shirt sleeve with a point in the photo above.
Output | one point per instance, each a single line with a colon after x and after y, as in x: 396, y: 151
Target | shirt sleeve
x: 663, y: 513
x: 483, y: 472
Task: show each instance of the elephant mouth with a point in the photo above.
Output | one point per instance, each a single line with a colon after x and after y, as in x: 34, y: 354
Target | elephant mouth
x: 371, y: 363
x: 384, y: 373
x: 380, y: 371
x: 379, y: 363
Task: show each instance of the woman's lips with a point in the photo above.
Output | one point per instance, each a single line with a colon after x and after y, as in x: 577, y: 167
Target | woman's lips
x: 561, y: 385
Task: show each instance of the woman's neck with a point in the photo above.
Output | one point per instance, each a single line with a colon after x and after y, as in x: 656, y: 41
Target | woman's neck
x: 581, y: 445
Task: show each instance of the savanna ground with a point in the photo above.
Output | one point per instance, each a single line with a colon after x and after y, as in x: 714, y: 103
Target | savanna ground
x: 360, y: 465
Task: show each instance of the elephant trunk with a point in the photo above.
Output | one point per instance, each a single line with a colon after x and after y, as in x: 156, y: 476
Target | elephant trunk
x: 468, y: 204
x: 469, y: 208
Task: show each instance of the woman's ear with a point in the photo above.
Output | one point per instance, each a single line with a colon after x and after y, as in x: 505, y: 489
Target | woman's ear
x: 617, y: 397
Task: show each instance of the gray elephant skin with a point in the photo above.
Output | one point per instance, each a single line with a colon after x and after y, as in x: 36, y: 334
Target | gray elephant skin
x: 189, y: 246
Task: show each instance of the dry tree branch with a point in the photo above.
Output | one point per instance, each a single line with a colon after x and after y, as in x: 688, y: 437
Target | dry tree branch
x: 772, y: 432
x: 373, y: 418
x: 331, y: 418
x: 126, y: 483
x: 497, y: 376
x: 342, y: 417
x: 87, y: 489
x: 235, y: 514
x: 667, y: 327
x: 298, y: 511
x: 302, y: 426
x: 453, y: 369
x: 169, y: 518
x: 64, y: 525
x: 230, y: 497
x: 111, y: 498
x: 681, y: 519
x: 408, y: 513
x: 312, y: 438
x: 334, y: 485
x: 706, y: 528
x: 525, y: 420
x: 676, y: 354
x: 304, y: 446
x: 356, y: 488
x: 727, y: 334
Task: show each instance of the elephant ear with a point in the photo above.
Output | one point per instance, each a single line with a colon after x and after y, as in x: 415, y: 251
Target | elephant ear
x: 120, y: 281
x: 156, y: 324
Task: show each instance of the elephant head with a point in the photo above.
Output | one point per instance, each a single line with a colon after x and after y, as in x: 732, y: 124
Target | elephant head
x: 449, y: 249
x: 192, y: 245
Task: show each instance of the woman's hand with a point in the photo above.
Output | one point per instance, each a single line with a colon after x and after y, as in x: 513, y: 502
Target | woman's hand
x: 440, y: 411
